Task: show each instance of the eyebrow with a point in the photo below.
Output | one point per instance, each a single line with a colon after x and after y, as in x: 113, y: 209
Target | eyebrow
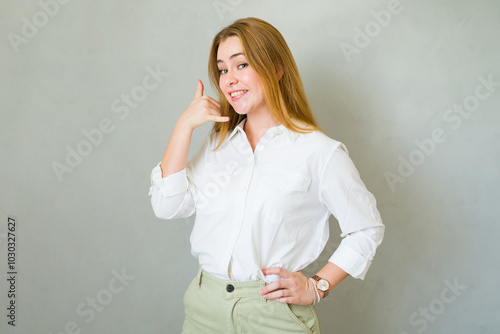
x: 232, y: 56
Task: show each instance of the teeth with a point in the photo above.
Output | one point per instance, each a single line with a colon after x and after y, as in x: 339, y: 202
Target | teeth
x: 233, y: 94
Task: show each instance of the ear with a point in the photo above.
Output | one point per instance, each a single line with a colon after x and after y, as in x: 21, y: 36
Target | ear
x: 279, y: 71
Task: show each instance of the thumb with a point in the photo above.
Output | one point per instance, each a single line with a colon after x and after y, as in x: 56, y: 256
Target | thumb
x: 199, y: 90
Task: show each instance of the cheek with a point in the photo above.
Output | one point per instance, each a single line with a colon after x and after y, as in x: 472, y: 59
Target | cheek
x: 222, y: 90
x: 254, y: 81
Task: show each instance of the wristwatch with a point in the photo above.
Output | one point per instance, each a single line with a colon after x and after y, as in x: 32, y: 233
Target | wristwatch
x: 322, y: 285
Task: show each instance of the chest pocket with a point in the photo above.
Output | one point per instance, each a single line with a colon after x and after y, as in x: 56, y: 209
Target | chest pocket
x: 281, y: 193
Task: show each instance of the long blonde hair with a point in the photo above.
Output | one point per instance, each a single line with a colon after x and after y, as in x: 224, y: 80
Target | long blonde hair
x: 267, y: 53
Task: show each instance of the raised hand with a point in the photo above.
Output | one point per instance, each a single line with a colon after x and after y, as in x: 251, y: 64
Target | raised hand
x: 201, y: 110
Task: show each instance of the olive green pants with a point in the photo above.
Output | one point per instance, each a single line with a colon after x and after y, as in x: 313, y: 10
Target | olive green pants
x: 218, y: 306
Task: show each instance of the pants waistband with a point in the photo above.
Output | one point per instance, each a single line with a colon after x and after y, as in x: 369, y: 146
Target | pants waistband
x: 229, y: 288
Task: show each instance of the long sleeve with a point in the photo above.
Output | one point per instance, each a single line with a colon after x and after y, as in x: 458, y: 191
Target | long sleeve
x: 265, y: 208
x: 346, y: 197
x: 175, y: 195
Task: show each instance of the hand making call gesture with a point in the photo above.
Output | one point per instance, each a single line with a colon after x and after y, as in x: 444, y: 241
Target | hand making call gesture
x: 201, y: 110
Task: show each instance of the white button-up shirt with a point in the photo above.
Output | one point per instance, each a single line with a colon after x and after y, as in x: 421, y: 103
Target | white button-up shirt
x: 271, y: 207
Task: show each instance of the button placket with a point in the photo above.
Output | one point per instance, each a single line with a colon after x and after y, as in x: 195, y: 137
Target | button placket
x: 246, y: 178
x: 245, y: 175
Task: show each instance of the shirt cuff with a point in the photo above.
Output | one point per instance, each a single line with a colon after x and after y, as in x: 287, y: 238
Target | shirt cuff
x: 170, y: 185
x: 351, y: 262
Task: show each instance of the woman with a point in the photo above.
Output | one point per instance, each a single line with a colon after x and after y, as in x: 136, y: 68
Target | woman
x: 263, y: 186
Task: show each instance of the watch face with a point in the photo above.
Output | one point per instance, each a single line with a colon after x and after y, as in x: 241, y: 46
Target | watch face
x: 323, y: 285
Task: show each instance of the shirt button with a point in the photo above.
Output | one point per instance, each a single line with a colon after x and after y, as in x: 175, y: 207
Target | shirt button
x: 229, y: 288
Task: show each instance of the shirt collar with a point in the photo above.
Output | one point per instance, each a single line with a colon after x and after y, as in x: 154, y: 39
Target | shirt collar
x: 291, y: 135
x: 238, y: 127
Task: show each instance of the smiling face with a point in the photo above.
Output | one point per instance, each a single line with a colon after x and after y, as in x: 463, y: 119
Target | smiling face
x: 238, y: 81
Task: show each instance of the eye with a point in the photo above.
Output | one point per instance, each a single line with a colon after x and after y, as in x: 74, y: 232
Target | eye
x: 223, y: 71
x: 242, y: 65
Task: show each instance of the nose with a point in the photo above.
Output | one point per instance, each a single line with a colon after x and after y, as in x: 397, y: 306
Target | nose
x: 230, y: 78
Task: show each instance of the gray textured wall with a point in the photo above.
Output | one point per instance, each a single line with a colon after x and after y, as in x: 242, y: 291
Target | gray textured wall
x: 90, y: 92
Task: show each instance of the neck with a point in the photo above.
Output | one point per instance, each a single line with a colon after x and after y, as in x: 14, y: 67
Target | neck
x: 259, y: 125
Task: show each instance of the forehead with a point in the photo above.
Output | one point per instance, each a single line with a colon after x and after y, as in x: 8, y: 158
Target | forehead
x: 229, y: 47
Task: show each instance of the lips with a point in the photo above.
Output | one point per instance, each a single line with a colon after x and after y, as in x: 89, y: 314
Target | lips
x: 236, y: 94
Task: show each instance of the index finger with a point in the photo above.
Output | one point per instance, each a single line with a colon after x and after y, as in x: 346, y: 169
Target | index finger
x: 277, y: 271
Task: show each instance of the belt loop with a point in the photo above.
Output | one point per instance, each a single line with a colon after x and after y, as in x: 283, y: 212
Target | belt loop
x: 262, y: 299
x: 200, y: 274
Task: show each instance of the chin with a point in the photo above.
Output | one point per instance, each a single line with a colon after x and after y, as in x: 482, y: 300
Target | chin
x: 240, y: 112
